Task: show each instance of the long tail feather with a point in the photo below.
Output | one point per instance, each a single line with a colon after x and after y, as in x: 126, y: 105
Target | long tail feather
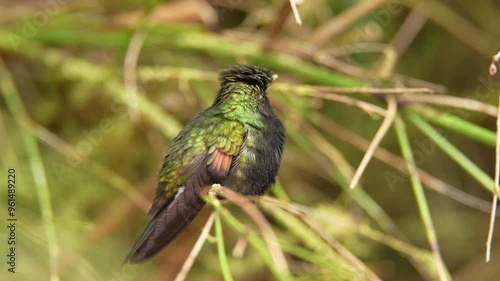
x: 168, y: 223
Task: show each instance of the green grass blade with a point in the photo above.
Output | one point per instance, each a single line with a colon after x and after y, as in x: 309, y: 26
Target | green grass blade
x: 15, y: 105
x: 342, y: 173
x: 454, y: 153
x: 255, y: 240
x: 221, y: 250
x: 423, y: 207
x: 457, y: 124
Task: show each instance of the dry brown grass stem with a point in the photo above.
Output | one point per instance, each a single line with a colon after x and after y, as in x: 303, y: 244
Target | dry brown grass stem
x: 240, y: 246
x: 350, y: 90
x: 343, y: 251
x: 293, y: 4
x: 341, y: 22
x: 260, y: 220
x: 392, y: 107
x: 365, y: 106
x: 491, y: 229
x: 304, y: 213
x: 408, y: 31
x: 396, y: 162
x: 451, y: 101
x: 129, y: 73
x: 188, y: 263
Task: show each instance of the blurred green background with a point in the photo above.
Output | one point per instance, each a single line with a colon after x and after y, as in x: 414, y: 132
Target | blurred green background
x: 86, y: 162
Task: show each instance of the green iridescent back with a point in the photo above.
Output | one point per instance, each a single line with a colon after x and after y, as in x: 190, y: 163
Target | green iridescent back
x: 237, y: 142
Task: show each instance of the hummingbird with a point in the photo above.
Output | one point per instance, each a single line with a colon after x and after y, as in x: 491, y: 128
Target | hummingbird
x: 237, y: 142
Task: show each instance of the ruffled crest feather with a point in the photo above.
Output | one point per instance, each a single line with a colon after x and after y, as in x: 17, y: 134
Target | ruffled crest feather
x: 249, y: 74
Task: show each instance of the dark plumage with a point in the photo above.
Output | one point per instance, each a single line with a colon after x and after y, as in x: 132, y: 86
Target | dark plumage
x: 237, y: 142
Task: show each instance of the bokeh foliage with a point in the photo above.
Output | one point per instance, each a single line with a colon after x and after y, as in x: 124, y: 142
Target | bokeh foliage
x: 86, y: 163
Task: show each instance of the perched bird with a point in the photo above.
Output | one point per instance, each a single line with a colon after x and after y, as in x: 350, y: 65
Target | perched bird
x: 237, y: 142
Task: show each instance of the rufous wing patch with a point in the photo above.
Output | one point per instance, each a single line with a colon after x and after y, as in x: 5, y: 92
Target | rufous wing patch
x: 219, y: 164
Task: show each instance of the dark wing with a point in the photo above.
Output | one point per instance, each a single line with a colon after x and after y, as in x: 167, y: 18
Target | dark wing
x: 170, y: 220
x: 176, y: 214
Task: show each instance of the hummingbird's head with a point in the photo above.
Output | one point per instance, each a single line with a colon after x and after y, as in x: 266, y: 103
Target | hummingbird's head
x: 243, y: 90
x: 247, y: 74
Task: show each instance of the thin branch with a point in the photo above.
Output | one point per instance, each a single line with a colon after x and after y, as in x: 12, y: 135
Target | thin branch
x: 188, y: 263
x: 292, y: 208
x: 293, y: 4
x: 451, y: 101
x: 394, y: 161
x: 410, y: 28
x: 341, y: 22
x: 442, y: 14
x: 366, y: 106
x: 491, y: 229
x: 129, y: 72
x: 260, y: 220
x: 392, y: 107
x: 306, y: 215
x: 414, y: 82
x: 343, y: 251
x: 455, y: 123
x: 240, y: 246
x: 423, y: 206
x: 158, y: 74
x: 452, y: 151
x: 350, y: 90
x: 272, y: 37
